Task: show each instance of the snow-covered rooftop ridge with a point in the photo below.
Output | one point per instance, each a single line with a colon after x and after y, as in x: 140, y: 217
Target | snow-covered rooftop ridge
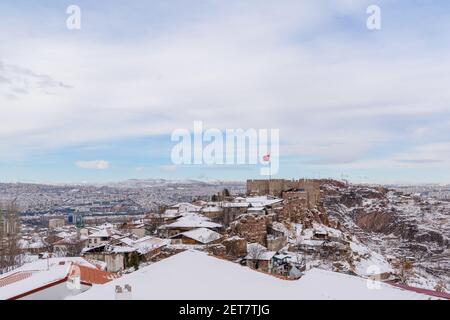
x: 149, y: 243
x: 142, y: 245
x: 262, y: 201
x: 186, y: 206
x: 202, y: 235
x: 196, y: 275
x: 192, y: 221
x: 168, y: 213
x: 26, y: 244
x: 103, y: 233
x: 211, y: 209
x: 235, y: 204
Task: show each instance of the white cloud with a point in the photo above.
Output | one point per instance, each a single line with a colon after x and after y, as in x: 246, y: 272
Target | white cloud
x: 423, y: 156
x: 94, y: 164
x: 270, y: 65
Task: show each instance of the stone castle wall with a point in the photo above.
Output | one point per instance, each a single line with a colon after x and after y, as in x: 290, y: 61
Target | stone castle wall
x: 276, y: 187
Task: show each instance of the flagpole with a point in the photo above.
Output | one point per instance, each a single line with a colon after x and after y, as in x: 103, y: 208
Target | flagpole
x: 267, y: 158
x: 270, y: 169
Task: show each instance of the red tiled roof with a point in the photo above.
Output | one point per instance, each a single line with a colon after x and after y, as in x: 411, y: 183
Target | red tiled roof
x: 423, y: 291
x: 15, y: 277
x: 88, y: 276
x: 91, y: 275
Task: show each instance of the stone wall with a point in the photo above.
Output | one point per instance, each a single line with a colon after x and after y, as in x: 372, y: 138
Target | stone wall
x: 218, y: 250
x: 252, y: 228
x: 276, y: 187
x: 231, y: 213
x: 276, y: 243
x: 297, y: 209
x: 294, y: 208
x: 235, y: 247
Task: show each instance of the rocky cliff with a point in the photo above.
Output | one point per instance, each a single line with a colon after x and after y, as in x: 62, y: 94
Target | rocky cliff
x: 396, y: 225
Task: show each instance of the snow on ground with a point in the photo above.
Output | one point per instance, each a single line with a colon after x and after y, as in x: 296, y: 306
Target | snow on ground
x: 196, y: 275
x: 370, y: 262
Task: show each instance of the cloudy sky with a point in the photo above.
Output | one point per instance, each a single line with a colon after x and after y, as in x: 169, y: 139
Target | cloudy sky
x: 100, y: 103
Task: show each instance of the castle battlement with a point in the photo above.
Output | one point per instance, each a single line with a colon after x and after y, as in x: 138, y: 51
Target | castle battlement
x: 276, y: 188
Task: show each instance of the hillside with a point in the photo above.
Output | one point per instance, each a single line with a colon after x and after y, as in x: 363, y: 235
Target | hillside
x: 396, y: 225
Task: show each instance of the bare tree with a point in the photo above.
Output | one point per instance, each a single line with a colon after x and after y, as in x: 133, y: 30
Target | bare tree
x: 74, y: 246
x: 209, y: 242
x: 404, y: 269
x: 2, y: 239
x: 226, y: 193
x: 255, y: 253
x: 9, y: 236
x: 300, y: 259
x: 441, y: 287
x: 156, y: 219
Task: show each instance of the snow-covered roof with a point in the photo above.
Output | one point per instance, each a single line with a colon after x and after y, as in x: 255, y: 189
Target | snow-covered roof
x: 235, y: 204
x: 104, y: 233
x: 257, y: 251
x: 211, y: 209
x: 149, y: 243
x: 180, y: 204
x: 262, y: 201
x: 117, y: 236
x: 145, y: 244
x: 255, y: 246
x: 120, y: 249
x: 65, y: 234
x: 69, y: 241
x: 37, y: 274
x: 202, y: 235
x: 195, y: 275
x: 170, y: 213
x: 27, y: 244
x: 127, y: 241
x: 234, y: 238
x: 105, y: 225
x: 192, y: 221
x: 186, y: 206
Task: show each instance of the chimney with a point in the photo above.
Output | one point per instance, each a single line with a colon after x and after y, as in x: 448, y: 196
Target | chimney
x: 123, y: 293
